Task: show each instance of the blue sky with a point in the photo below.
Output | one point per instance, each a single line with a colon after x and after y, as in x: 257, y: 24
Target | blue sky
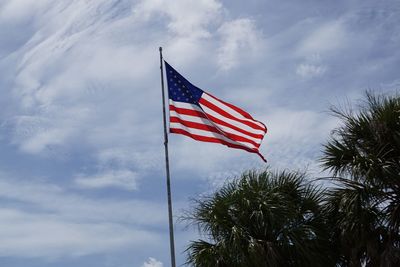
x: 81, y: 152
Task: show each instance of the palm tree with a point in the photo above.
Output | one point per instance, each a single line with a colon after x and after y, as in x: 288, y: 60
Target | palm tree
x: 356, y: 223
x: 364, y: 156
x: 261, y: 219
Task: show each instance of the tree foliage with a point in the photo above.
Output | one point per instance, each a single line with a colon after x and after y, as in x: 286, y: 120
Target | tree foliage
x: 365, y: 207
x: 261, y: 219
x: 279, y: 219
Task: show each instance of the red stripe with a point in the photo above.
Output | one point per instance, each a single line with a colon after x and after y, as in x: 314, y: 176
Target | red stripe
x: 196, y: 113
x: 224, y: 123
x: 215, y: 140
x: 239, y: 110
x: 210, y: 139
x: 206, y: 127
x: 226, y: 114
x: 186, y: 111
x: 195, y: 125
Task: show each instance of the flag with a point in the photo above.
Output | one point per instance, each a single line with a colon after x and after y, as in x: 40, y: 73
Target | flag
x: 203, y: 117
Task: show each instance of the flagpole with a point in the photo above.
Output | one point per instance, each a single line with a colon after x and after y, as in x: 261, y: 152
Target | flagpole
x: 171, y: 223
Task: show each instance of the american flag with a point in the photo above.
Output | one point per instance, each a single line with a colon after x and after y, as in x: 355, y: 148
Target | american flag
x: 203, y: 117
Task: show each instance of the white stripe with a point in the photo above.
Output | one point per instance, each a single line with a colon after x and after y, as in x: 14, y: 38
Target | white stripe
x: 223, y: 128
x: 205, y: 133
x: 185, y: 105
x: 228, y: 109
x: 207, y: 110
x: 191, y: 118
x: 175, y: 125
x: 215, y: 114
x: 232, y: 122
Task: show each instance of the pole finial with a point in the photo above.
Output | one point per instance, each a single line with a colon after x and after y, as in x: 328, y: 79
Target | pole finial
x: 160, y: 48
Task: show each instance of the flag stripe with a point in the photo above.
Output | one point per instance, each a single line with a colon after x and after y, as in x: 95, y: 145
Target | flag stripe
x: 214, y: 140
x: 225, y: 129
x: 224, y: 123
x: 215, y: 120
x: 206, y: 118
x: 240, y: 111
x: 209, y: 113
x: 187, y: 111
x: 212, y: 113
x: 206, y: 133
x: 208, y: 127
x: 221, y: 126
x: 211, y: 139
x: 232, y: 112
x: 194, y: 125
x: 206, y: 105
x: 177, y: 104
x: 244, y: 113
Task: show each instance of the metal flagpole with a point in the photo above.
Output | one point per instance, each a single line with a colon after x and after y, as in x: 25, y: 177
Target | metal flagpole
x: 171, y: 223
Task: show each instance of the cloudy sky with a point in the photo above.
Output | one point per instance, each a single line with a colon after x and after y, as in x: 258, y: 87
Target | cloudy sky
x: 81, y: 149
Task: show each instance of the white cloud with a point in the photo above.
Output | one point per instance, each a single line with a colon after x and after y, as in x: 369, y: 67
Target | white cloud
x: 35, y: 133
x: 311, y: 67
x: 125, y: 157
x: 71, y: 206
x: 151, y: 262
x: 18, y: 10
x: 83, y: 75
x: 326, y: 38
x: 189, y: 23
x: 187, y: 18
x: 124, y: 179
x: 296, y: 125
x: 239, y: 39
x: 40, y: 219
x: 77, y: 85
x: 25, y: 235
x: 205, y: 160
x: 295, y: 136
x: 306, y: 70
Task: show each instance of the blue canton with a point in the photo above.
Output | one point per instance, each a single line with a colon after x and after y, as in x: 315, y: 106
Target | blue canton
x: 180, y: 89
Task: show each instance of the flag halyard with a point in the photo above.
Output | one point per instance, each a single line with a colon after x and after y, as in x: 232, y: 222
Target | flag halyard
x: 203, y: 117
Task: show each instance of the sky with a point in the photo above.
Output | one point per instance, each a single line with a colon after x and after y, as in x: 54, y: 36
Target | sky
x: 82, y: 177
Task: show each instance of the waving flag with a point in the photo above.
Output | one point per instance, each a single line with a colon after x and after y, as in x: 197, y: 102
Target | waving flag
x: 203, y: 117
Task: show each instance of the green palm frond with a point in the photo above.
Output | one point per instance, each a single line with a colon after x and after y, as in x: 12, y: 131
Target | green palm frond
x: 262, y: 219
x: 365, y: 205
